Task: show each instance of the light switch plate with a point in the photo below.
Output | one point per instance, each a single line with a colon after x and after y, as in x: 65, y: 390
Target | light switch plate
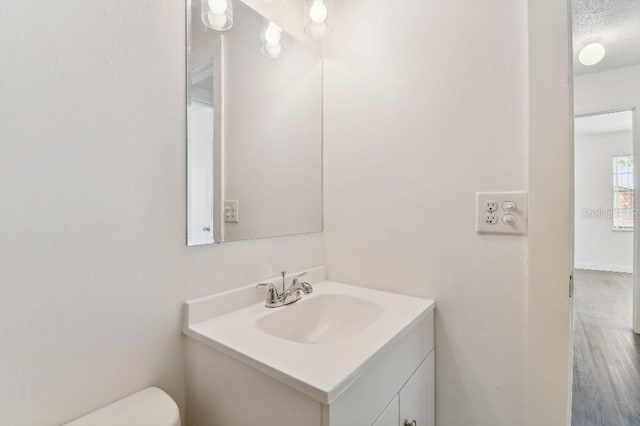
x: 509, y: 221
x: 231, y: 211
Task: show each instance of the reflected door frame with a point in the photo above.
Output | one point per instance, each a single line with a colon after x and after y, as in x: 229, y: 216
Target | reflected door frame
x: 636, y: 203
x: 218, y: 99
x: 219, y: 70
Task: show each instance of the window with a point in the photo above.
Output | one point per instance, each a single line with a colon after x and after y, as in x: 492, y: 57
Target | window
x: 623, y: 211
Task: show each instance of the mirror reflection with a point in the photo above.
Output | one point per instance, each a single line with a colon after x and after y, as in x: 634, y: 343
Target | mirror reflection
x: 254, y: 111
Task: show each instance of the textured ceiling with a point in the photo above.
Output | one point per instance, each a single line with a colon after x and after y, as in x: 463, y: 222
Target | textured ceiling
x: 613, y: 23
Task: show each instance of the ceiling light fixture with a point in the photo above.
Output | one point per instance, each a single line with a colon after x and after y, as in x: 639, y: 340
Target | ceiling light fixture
x: 272, y: 40
x: 591, y: 54
x: 217, y: 14
x: 316, y: 18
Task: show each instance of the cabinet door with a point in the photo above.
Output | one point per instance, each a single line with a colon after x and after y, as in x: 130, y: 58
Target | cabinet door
x: 417, y: 397
x: 391, y: 415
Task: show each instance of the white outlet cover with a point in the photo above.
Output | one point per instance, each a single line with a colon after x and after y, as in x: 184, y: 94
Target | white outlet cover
x: 231, y: 211
x: 500, y: 227
x: 490, y: 206
x: 490, y: 218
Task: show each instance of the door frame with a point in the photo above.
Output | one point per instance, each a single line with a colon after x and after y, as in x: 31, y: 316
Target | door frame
x: 547, y: 351
x: 636, y: 221
x: 548, y: 325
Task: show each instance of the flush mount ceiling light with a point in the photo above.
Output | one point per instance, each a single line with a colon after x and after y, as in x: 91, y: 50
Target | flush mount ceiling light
x: 217, y: 14
x: 591, y: 54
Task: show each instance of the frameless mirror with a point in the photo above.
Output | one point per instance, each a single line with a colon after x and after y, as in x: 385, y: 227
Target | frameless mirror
x: 254, y: 114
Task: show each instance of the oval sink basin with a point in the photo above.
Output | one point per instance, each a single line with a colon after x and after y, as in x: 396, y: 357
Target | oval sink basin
x: 321, y: 319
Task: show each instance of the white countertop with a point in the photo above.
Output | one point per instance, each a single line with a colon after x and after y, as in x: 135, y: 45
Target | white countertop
x: 321, y: 371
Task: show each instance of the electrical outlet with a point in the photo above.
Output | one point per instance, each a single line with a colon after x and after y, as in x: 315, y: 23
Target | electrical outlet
x: 490, y: 219
x: 501, y: 212
x: 490, y: 206
x: 231, y: 211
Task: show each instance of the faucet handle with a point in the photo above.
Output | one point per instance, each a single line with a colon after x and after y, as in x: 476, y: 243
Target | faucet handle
x: 270, y: 285
x: 305, y: 287
x: 296, y: 278
x: 273, y: 291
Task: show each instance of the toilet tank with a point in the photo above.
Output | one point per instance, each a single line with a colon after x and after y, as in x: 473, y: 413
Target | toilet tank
x: 149, y: 407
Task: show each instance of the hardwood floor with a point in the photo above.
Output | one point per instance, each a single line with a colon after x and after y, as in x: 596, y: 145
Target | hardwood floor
x: 606, y: 371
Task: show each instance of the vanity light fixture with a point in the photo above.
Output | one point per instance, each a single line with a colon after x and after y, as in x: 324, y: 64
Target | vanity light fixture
x: 217, y: 14
x: 316, y: 18
x: 272, y: 40
x: 591, y: 54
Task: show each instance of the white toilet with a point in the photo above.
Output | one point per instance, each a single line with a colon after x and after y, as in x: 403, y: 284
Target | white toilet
x: 149, y: 407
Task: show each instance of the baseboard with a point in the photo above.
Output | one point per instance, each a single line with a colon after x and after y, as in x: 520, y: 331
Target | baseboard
x: 605, y: 268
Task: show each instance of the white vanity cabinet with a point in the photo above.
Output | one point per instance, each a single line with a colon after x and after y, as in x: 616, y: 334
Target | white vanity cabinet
x: 391, y: 415
x: 382, y: 374
x: 404, y: 373
x: 398, y: 385
x: 414, y: 405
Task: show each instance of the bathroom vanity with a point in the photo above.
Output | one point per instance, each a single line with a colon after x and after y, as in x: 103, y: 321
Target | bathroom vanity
x: 342, y: 355
x: 333, y: 354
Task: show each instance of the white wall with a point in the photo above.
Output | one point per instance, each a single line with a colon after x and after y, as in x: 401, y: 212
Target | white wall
x: 597, y: 245
x: 93, y: 262
x: 426, y: 103
x: 608, y: 90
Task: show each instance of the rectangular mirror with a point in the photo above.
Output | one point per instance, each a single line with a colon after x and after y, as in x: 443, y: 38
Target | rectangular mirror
x: 254, y: 114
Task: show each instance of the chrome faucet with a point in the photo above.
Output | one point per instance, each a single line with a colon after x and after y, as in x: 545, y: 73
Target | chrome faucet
x: 276, y: 299
x: 304, y: 286
x: 289, y: 295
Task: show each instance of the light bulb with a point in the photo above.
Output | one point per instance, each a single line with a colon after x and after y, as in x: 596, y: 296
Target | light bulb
x: 217, y: 21
x: 591, y: 54
x: 218, y: 7
x: 273, y: 34
x: 318, y: 11
x: 273, y: 50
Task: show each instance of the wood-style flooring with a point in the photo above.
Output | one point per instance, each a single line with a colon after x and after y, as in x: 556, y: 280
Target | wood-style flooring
x: 606, y: 370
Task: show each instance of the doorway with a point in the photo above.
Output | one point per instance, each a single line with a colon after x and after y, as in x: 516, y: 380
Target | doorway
x: 606, y: 351
x: 606, y: 302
